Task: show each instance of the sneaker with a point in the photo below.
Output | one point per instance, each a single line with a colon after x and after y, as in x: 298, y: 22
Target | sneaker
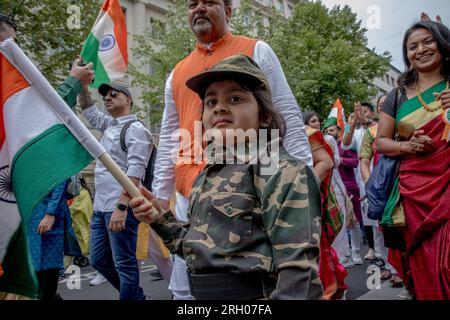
x: 99, y: 279
x: 370, y: 255
x: 356, y: 257
x: 405, y: 295
x: 347, y: 262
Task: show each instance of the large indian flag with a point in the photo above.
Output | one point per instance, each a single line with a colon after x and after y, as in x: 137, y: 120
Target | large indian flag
x: 106, y: 45
x: 39, y: 149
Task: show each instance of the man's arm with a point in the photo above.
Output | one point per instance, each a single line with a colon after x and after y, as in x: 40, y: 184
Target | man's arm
x: 97, y: 119
x: 164, y: 176
x: 348, y: 141
x: 139, y: 143
x: 72, y: 86
x: 119, y: 217
x: 295, y: 140
x: 366, y: 155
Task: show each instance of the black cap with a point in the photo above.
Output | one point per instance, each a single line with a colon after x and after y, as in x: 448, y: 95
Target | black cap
x: 106, y: 87
x: 239, y: 67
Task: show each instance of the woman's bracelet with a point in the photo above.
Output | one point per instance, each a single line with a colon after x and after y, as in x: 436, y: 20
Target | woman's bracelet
x: 399, y: 147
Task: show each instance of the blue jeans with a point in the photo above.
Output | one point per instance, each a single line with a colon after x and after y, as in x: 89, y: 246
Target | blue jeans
x: 113, y: 254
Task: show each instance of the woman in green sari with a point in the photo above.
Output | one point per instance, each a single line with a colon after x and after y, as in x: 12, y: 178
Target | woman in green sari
x: 422, y: 120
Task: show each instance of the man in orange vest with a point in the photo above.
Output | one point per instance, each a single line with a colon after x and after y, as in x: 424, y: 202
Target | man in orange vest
x: 208, y: 20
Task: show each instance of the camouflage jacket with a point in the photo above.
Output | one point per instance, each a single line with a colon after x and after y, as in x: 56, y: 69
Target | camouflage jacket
x: 243, y: 221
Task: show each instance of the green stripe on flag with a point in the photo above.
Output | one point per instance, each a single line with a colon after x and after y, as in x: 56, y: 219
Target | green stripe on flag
x: 43, y: 163
x: 90, y: 54
x: 19, y: 276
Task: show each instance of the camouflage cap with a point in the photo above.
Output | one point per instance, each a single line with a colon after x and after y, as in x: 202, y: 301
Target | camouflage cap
x: 239, y: 68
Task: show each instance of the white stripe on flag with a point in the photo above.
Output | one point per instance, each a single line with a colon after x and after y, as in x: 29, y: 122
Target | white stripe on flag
x: 112, y: 59
x: 26, y: 115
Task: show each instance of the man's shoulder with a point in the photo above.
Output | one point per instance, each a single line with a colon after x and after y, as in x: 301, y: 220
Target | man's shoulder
x: 137, y: 125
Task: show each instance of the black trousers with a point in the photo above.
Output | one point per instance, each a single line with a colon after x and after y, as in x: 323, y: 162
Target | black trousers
x: 369, y: 235
x: 48, y: 284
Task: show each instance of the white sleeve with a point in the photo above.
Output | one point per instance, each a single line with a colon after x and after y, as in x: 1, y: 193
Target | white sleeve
x: 352, y: 145
x: 164, y: 175
x: 97, y: 119
x: 295, y: 140
x: 333, y: 143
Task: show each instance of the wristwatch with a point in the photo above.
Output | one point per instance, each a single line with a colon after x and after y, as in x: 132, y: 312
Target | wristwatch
x: 121, y: 206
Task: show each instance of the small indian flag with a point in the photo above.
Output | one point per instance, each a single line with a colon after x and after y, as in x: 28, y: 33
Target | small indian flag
x: 106, y: 44
x: 336, y: 116
x: 39, y: 149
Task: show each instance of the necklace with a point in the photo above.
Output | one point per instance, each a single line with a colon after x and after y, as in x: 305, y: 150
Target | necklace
x: 423, y: 103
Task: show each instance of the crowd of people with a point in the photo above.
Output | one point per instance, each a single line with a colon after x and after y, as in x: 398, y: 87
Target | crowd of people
x: 286, y: 221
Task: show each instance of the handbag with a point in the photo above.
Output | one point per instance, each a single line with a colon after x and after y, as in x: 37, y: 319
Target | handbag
x: 380, y: 185
x: 382, y: 180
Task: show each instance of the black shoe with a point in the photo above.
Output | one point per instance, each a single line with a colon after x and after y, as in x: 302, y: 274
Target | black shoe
x: 156, y: 274
x: 58, y: 297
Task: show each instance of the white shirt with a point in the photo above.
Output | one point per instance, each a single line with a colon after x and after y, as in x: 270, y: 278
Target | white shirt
x: 139, y: 143
x: 295, y: 140
x: 356, y: 143
x: 336, y: 180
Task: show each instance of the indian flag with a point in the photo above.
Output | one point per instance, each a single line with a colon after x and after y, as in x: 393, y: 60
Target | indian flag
x: 336, y: 116
x: 106, y: 45
x: 39, y: 149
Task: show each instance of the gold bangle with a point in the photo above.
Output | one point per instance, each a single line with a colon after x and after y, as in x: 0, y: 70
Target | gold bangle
x: 399, y: 147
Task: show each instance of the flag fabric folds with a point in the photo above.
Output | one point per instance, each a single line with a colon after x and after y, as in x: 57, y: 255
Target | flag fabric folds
x: 106, y: 44
x: 39, y: 148
x: 336, y: 117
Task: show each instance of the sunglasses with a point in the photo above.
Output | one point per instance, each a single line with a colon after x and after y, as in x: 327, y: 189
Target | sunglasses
x: 111, y: 93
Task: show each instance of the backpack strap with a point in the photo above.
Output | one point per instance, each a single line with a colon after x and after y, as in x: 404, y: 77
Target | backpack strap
x: 123, y: 132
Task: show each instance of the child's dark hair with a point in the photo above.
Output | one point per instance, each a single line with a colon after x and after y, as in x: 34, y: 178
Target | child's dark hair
x: 267, y: 112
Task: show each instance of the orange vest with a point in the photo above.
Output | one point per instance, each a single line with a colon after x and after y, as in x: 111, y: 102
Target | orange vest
x: 189, y: 105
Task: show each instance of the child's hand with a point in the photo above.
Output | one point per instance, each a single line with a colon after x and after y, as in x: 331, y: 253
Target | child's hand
x: 144, y: 207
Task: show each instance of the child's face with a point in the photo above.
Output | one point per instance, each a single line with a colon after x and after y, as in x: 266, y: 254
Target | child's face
x: 228, y: 106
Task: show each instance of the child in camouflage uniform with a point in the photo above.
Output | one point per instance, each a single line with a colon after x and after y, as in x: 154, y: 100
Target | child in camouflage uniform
x: 252, y: 235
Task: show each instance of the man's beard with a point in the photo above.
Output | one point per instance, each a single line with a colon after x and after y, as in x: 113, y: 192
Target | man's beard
x: 203, y: 27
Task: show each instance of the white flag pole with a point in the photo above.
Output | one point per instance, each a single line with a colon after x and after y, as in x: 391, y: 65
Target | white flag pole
x: 23, y: 64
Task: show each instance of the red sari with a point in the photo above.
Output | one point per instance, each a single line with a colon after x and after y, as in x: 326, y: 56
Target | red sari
x: 425, y: 196
x: 331, y: 271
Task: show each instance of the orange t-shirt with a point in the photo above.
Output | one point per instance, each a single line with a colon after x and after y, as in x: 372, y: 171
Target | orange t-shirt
x: 189, y: 105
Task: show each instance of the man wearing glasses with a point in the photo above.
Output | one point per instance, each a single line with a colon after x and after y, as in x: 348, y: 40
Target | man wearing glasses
x: 113, y: 226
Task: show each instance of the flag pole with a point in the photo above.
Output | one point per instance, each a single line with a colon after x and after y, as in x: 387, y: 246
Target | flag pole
x: 119, y: 175
x: 23, y: 64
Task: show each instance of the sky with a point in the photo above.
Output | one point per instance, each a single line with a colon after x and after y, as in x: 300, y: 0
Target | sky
x: 395, y: 17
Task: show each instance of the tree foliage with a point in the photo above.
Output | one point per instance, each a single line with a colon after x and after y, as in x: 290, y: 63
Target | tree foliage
x: 44, y: 33
x: 323, y: 53
x: 324, y: 56
x: 159, y: 49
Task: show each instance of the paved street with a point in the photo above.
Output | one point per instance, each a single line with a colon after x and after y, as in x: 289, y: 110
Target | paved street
x: 156, y: 289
